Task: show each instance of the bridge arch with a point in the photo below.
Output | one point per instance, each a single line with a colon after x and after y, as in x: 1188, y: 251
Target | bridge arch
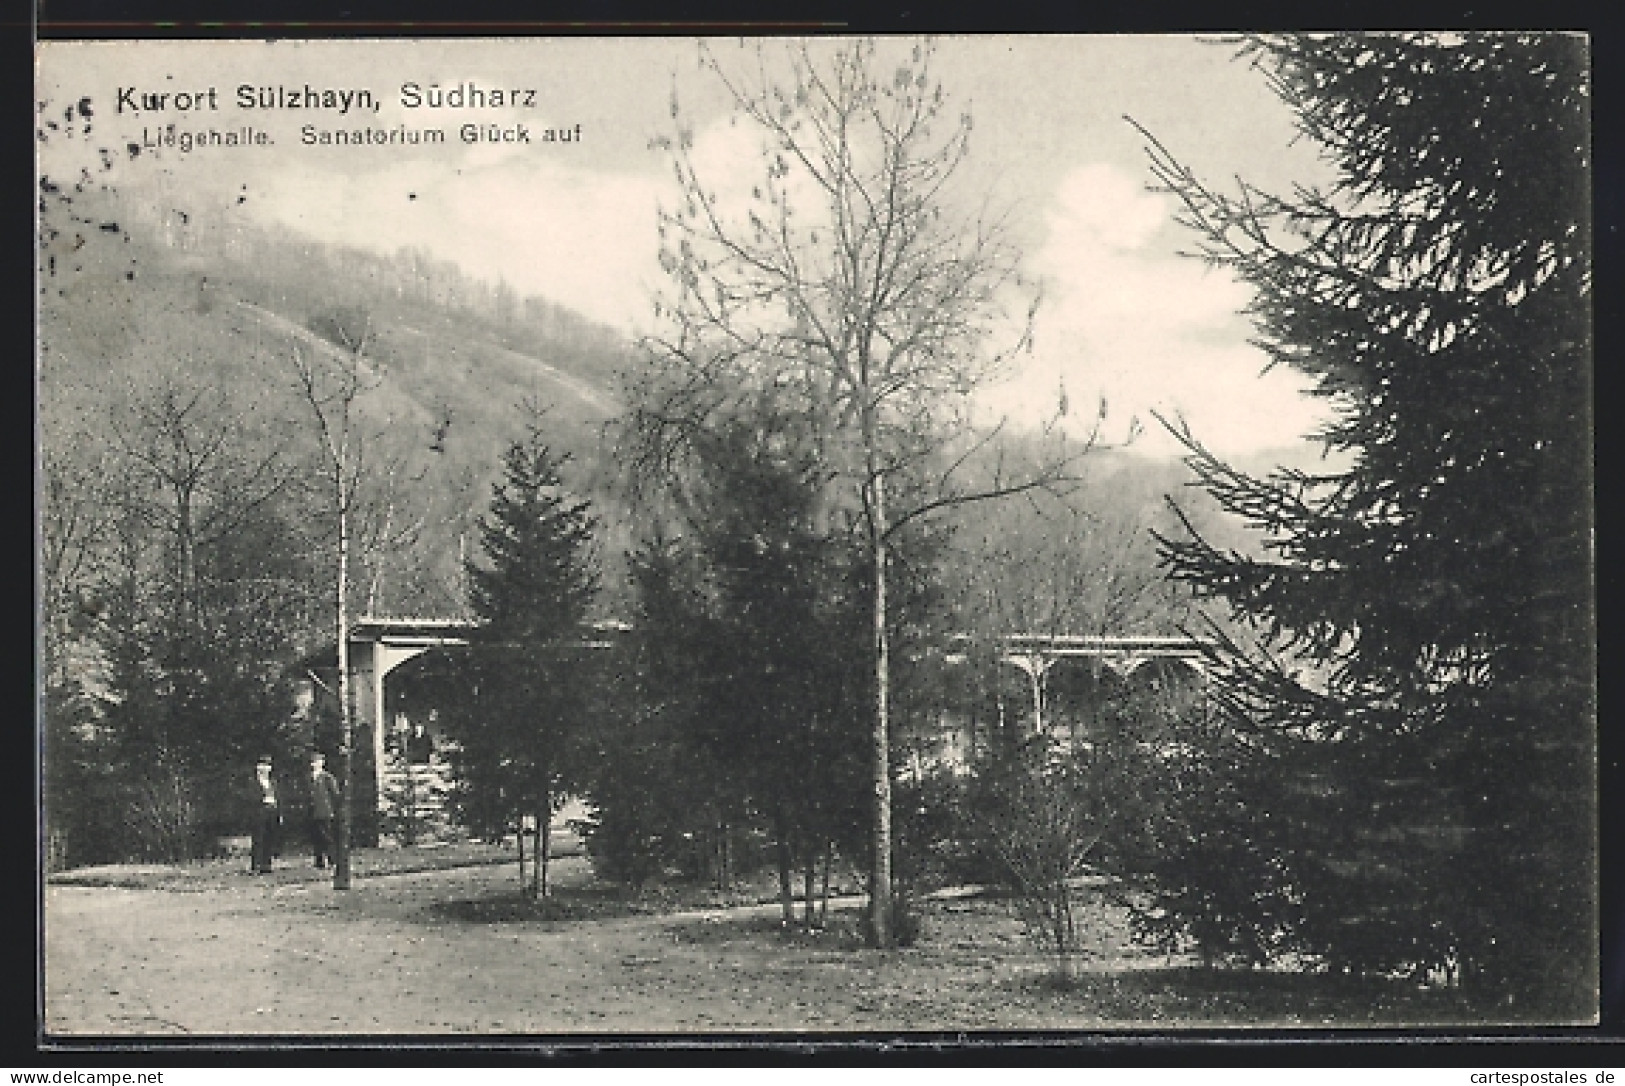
x: 1136, y: 660
x: 379, y: 646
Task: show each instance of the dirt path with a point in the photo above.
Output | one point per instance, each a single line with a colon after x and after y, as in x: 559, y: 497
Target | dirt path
x: 301, y: 958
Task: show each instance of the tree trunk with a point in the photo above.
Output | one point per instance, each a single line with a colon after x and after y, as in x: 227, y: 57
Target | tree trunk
x: 519, y: 840
x: 544, y: 839
x: 880, y: 860
x: 341, y: 846
x: 809, y: 875
x: 539, y: 866
x: 1063, y: 934
x: 786, y: 893
x: 723, y: 879
x: 1065, y: 931
x: 823, y: 897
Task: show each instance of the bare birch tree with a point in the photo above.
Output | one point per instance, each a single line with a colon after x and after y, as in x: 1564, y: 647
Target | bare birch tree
x: 332, y: 381
x: 851, y: 282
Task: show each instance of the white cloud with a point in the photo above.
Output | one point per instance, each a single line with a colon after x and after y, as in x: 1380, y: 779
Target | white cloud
x: 727, y: 156
x: 583, y: 238
x: 1101, y: 205
x: 1127, y: 319
x: 731, y: 159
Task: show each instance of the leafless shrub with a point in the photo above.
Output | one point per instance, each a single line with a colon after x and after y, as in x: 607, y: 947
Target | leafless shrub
x: 163, y: 816
x: 1043, y: 829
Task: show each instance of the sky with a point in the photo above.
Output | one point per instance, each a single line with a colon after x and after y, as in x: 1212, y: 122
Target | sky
x: 1124, y: 316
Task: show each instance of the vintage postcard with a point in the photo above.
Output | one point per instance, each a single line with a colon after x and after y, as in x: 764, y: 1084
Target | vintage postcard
x: 654, y: 535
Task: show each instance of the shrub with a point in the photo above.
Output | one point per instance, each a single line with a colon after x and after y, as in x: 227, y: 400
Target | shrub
x: 1044, y: 823
x: 163, y: 816
x: 907, y: 926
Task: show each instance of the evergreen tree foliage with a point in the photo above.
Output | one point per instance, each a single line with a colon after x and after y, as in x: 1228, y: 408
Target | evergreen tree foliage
x: 663, y: 799
x: 531, y: 595
x: 752, y: 673
x: 540, y: 574
x: 1406, y: 778
x: 787, y: 595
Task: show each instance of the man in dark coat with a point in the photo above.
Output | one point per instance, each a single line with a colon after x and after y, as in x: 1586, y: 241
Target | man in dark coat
x: 324, y: 802
x: 267, y: 818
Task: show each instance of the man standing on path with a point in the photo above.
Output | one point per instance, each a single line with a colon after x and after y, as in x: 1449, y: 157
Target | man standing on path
x: 267, y: 818
x: 324, y: 800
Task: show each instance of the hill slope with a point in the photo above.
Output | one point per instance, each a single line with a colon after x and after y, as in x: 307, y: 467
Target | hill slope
x: 143, y: 302
x: 144, y: 299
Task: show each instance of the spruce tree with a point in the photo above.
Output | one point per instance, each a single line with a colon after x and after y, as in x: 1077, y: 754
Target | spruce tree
x: 660, y: 797
x: 531, y: 595
x: 540, y: 575
x: 784, y: 688
x: 1405, y: 775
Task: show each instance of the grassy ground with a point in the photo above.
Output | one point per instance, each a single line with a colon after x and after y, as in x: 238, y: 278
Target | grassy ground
x: 456, y: 951
x: 201, y: 876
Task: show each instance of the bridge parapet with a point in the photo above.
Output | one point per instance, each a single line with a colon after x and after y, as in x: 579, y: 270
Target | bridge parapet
x: 1123, y: 654
x: 383, y: 643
